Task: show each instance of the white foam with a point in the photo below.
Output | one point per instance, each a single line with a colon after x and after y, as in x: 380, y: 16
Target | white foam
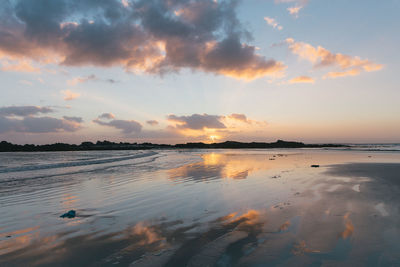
x: 356, y: 188
x: 381, y: 208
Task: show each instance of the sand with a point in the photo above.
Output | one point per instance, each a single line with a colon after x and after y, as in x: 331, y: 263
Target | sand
x: 206, y: 208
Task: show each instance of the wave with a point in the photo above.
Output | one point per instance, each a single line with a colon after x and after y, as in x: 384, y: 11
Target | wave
x: 370, y: 147
x: 77, y: 163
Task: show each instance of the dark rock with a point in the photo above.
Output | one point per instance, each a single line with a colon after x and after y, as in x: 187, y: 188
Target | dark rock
x: 70, y: 214
x: 315, y: 166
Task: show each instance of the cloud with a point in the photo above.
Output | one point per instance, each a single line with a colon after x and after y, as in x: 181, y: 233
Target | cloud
x: 77, y: 80
x: 151, y: 36
x: 22, y: 65
x: 24, y: 111
x: 110, y: 81
x: 203, y: 127
x: 197, y: 121
x: 31, y: 124
x: 333, y: 74
x: 240, y: 122
x: 127, y: 126
x: 321, y: 57
x: 88, y: 78
x: 152, y: 122
x: 294, y: 10
x: 233, y: 59
x: 125, y: 3
x: 198, y: 126
x: 239, y: 117
x: 195, y: 127
x: 107, y: 116
x: 37, y: 125
x: 69, y: 95
x: 272, y: 22
x: 75, y: 119
x: 48, y: 124
x: 302, y: 79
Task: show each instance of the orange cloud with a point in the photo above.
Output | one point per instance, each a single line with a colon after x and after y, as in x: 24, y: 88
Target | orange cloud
x: 213, y: 127
x: 302, y: 79
x: 351, y: 72
x: 321, y: 57
x: 69, y: 95
x: 21, y: 65
x: 254, y: 71
x: 349, y: 227
x: 148, y: 234
x: 125, y: 3
x: 77, y: 80
x: 272, y: 22
x: 239, y: 117
x: 294, y: 10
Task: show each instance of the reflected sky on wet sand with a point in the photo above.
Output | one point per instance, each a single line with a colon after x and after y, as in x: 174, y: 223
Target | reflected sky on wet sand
x: 202, y: 208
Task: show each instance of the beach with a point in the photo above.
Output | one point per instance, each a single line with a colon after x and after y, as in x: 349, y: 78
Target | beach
x: 244, y: 207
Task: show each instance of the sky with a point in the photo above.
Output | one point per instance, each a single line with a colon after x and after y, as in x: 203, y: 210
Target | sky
x: 174, y: 71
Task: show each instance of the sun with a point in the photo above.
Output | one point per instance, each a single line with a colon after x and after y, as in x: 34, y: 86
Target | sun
x: 213, y: 138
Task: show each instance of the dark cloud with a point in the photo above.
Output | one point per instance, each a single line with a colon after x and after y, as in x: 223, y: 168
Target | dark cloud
x: 8, y: 125
x: 89, y: 78
x: 29, y: 123
x: 127, y: 126
x: 37, y: 125
x: 154, y: 36
x: 152, y: 122
x: 107, y: 116
x: 75, y: 119
x: 103, y: 44
x: 23, y: 110
x: 197, y: 121
x: 111, y: 81
x: 48, y: 124
x: 239, y: 117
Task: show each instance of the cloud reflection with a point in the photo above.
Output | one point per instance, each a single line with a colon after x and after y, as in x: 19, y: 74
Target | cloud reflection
x: 349, y: 227
x: 218, y: 165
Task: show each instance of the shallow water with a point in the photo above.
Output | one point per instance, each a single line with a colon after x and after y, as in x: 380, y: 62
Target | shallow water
x: 200, y: 208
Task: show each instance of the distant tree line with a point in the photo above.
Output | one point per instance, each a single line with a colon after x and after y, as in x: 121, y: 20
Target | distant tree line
x: 107, y: 145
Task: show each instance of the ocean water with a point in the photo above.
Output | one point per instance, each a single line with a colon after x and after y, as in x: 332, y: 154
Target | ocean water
x: 372, y: 147
x: 201, y: 208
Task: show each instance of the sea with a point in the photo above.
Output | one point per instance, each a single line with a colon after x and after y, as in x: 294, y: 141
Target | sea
x: 247, y: 207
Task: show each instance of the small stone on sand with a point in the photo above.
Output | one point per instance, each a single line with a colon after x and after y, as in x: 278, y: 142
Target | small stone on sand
x: 70, y: 214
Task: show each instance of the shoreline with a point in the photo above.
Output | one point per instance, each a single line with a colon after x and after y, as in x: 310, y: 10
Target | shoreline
x: 107, y: 145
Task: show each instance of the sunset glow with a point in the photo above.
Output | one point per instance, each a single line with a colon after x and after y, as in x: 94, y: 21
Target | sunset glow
x: 205, y: 71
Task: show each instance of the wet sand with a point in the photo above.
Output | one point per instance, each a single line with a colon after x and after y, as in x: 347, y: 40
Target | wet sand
x: 209, y: 208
